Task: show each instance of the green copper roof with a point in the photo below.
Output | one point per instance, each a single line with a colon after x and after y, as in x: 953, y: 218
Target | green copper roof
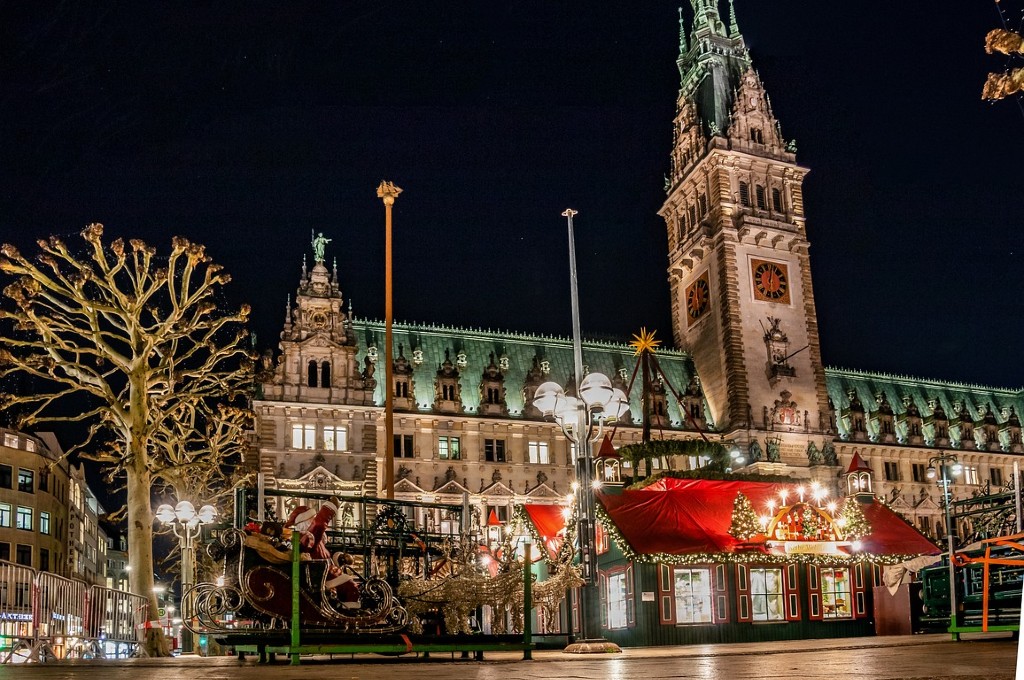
x: 520, y: 350
x: 900, y: 391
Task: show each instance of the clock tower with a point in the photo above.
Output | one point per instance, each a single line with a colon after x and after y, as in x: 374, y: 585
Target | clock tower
x: 739, y: 272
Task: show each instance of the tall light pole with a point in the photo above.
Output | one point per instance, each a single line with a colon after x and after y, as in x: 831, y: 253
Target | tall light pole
x: 582, y: 420
x: 388, y: 192
x: 950, y: 465
x: 186, y: 524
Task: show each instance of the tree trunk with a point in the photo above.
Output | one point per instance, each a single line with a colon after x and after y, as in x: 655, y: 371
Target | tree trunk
x: 140, y: 550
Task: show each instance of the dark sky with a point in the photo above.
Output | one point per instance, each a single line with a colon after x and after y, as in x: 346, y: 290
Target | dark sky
x: 244, y: 125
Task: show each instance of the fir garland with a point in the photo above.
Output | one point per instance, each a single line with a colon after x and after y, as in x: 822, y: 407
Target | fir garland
x: 741, y: 557
x: 661, y: 448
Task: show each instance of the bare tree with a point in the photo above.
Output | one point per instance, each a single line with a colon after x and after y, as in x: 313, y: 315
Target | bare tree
x: 133, y: 346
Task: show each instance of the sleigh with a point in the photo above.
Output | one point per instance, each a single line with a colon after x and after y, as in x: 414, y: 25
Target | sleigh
x: 259, y: 593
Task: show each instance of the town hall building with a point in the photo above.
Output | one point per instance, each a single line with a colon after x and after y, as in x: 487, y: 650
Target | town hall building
x: 748, y: 369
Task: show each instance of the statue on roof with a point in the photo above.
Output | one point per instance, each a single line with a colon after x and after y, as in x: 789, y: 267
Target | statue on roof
x: 319, y: 244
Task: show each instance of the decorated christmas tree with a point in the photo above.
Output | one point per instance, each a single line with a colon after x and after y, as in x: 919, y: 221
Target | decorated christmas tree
x: 744, y: 520
x: 854, y: 525
x: 810, y: 524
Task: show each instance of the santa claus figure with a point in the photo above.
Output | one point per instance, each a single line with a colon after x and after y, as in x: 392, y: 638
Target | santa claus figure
x: 312, y: 527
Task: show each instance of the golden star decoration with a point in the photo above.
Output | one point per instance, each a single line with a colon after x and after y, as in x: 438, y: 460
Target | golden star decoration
x: 644, y: 342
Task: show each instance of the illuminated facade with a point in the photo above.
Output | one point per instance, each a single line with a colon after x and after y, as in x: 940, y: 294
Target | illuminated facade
x: 749, y: 370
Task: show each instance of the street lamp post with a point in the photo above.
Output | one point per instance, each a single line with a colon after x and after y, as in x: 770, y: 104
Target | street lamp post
x: 186, y: 524
x: 950, y: 465
x: 582, y: 420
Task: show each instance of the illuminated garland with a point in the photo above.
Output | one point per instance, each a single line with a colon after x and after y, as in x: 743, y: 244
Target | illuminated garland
x: 673, y: 447
x: 521, y: 518
x: 740, y: 557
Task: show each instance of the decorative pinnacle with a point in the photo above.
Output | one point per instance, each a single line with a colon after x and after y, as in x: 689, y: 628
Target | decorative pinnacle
x: 682, y: 33
x: 734, y: 29
x: 388, y: 192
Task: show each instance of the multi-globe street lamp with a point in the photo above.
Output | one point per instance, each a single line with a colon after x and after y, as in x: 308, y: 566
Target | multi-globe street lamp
x: 186, y: 523
x: 582, y: 419
x: 950, y: 465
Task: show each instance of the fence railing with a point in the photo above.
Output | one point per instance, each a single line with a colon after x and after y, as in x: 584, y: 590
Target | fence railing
x: 45, y: 617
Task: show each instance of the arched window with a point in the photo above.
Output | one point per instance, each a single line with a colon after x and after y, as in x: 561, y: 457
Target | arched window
x: 760, y: 197
x: 745, y: 194
x: 325, y: 374
x: 756, y: 135
x: 777, y: 200
x: 311, y: 374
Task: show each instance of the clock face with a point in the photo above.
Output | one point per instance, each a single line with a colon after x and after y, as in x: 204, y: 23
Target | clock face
x: 697, y: 298
x: 771, y: 281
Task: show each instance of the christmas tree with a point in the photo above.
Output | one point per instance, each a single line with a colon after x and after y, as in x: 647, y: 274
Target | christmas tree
x: 810, y: 524
x: 854, y: 525
x: 744, y: 520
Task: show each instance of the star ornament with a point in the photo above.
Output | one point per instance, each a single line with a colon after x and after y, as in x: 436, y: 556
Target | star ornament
x: 644, y: 342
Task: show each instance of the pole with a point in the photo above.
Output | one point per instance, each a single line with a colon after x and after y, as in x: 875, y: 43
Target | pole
x: 187, y: 578
x: 1016, y: 495
x: 387, y: 191
x: 949, y: 541
x: 527, y: 599
x: 293, y: 649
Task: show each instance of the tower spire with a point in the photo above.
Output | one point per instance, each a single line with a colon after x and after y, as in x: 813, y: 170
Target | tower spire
x: 682, y: 34
x: 734, y: 29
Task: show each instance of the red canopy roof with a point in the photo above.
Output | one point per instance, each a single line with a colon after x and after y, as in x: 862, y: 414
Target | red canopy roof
x: 682, y: 516
x: 550, y: 524
x: 858, y: 464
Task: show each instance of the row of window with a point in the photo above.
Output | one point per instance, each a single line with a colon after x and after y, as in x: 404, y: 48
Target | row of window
x: 693, y: 589
x: 26, y: 479
x: 23, y: 555
x: 761, y: 197
x: 13, y: 441
x: 23, y: 518
x: 450, y: 448
x: 919, y: 472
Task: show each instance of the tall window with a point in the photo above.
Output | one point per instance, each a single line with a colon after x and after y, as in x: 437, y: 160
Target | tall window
x: 835, y: 593
x: 6, y: 476
x: 616, y: 600
x: 693, y: 595
x: 892, y: 471
x: 5, y: 515
x: 759, y: 193
x: 766, y: 596
x: 449, y: 448
x: 702, y: 201
x: 44, y: 523
x: 303, y: 436
x: 44, y: 559
x: 539, y: 452
x: 745, y: 194
x: 26, y: 480
x: 44, y: 479
x: 335, y: 438
x: 325, y: 374
x: 311, y: 374
x: 5, y: 552
x: 995, y: 475
x: 493, y: 395
x: 971, y: 475
x: 23, y: 520
x: 776, y: 200
x: 402, y: 388
x: 920, y: 472
x: 24, y: 555
x: 756, y: 135
x: 403, y: 446
x: 494, y: 450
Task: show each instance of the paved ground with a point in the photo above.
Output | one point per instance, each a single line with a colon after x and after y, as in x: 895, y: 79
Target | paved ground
x: 917, y: 657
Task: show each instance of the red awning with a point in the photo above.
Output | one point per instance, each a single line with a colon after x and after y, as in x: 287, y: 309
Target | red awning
x: 550, y: 524
x: 684, y: 516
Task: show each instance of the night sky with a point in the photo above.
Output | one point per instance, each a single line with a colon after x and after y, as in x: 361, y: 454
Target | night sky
x: 244, y: 125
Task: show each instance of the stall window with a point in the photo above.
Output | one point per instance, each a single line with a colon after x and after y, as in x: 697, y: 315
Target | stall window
x: 616, y: 600
x: 835, y: 593
x: 693, y: 595
x: 766, y: 598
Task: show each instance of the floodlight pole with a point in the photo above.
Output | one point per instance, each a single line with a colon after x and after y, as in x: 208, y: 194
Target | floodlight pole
x: 388, y: 192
